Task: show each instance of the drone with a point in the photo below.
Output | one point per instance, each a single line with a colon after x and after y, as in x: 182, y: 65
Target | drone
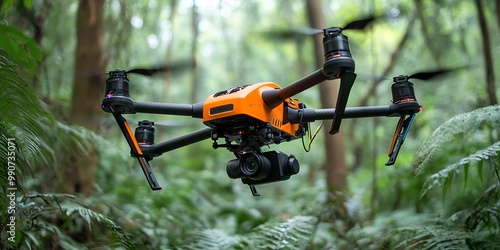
x: 246, y: 118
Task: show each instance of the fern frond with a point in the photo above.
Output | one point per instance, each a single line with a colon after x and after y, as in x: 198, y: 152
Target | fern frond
x: 19, y: 111
x: 91, y: 217
x: 454, y: 132
x: 88, y: 215
x: 42, y: 214
x: 443, y: 177
x: 433, y: 237
x: 45, y: 228
x: 211, y: 239
x: 294, y: 233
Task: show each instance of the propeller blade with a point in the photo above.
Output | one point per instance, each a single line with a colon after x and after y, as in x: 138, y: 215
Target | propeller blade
x: 431, y: 74
x: 359, y: 24
x: 162, y: 69
x: 308, y: 31
x: 295, y: 33
x: 83, y: 73
x: 298, y: 32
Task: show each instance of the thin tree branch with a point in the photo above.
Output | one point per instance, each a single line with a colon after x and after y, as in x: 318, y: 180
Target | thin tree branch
x: 170, y: 48
x: 194, y: 48
x: 488, y: 60
x: 435, y: 53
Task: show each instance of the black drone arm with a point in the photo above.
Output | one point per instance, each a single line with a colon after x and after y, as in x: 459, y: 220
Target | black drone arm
x: 405, y: 110
x: 193, y: 110
x: 311, y: 115
x: 272, y: 98
x: 177, y: 142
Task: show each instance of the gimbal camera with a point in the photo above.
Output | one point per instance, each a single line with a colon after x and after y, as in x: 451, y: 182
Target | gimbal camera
x: 244, y: 119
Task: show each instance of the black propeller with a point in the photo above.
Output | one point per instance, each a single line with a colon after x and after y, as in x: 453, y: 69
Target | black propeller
x: 178, y: 66
x: 163, y: 68
x: 402, y: 88
x: 354, y: 25
x: 359, y: 24
x: 431, y: 74
x: 427, y: 75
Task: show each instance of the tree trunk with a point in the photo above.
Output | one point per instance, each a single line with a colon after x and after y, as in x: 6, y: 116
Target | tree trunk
x: 335, y: 162
x: 87, y: 94
x: 488, y: 60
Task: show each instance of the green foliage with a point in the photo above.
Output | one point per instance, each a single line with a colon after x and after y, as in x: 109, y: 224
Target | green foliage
x: 443, y: 178
x: 467, y: 139
x: 458, y: 132
x: 294, y: 233
x: 38, y: 139
x: 51, y: 220
x: 434, y: 236
x: 20, y: 113
x: 211, y: 239
x: 462, y: 158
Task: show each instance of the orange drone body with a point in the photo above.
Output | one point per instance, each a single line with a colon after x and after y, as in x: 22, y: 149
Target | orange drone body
x: 238, y: 105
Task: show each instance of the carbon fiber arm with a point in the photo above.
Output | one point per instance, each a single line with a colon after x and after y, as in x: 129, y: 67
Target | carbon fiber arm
x: 310, y: 115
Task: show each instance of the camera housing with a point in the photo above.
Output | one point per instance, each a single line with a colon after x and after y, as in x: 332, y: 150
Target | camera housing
x: 260, y: 168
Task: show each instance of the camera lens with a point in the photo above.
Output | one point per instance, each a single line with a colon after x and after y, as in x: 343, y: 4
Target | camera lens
x: 255, y: 166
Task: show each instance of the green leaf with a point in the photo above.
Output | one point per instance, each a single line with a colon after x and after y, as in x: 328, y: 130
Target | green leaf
x: 20, y: 47
x: 294, y: 233
x: 6, y: 5
x: 466, y: 175
x: 453, y: 132
x: 434, y: 236
x: 441, y: 178
x: 447, y: 184
x: 27, y: 4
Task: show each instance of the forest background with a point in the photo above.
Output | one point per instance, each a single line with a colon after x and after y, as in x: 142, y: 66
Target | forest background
x: 76, y: 187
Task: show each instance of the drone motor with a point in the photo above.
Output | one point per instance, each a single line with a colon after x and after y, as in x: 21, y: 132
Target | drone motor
x: 402, y: 90
x: 338, y: 57
x: 117, y: 97
x: 145, y: 133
